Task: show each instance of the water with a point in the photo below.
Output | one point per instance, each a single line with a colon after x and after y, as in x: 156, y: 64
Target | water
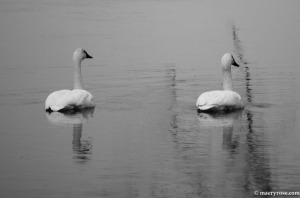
x: 152, y: 59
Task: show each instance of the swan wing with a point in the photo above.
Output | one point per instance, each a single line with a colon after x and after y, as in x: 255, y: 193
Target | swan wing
x: 81, y: 99
x: 68, y: 99
x: 55, y: 99
x: 219, y: 99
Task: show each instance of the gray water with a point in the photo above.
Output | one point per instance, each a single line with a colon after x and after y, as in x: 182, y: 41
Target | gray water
x: 152, y: 59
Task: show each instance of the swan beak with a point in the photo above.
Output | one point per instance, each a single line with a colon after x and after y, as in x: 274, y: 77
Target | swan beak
x: 88, y: 56
x: 235, y: 64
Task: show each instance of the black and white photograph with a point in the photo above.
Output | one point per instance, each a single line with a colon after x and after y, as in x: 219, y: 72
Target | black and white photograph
x: 149, y: 98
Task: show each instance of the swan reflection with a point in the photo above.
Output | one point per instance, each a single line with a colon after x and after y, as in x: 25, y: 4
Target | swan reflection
x: 82, y: 147
x: 227, y: 122
x: 219, y: 118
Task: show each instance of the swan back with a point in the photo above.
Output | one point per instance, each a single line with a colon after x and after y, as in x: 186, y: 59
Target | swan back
x: 69, y: 99
x: 219, y: 100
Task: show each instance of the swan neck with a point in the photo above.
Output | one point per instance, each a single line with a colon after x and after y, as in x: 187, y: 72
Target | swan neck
x: 77, y: 75
x: 227, y: 80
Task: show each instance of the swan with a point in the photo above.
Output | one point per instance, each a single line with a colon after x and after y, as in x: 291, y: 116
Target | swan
x: 225, y: 99
x: 76, y: 99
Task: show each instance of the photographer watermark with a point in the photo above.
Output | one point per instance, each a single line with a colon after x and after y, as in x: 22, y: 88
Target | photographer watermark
x: 278, y: 193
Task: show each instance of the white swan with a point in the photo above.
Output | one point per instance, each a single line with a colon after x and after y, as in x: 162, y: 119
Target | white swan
x: 78, y: 98
x: 224, y: 99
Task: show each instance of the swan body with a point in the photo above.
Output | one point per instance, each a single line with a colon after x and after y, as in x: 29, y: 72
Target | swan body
x: 219, y: 100
x: 69, y: 99
x: 78, y: 98
x: 225, y: 99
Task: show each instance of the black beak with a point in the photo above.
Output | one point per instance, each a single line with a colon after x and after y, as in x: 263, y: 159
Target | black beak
x: 88, y: 56
x: 234, y: 63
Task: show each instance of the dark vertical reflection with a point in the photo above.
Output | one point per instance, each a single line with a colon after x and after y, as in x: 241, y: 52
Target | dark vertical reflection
x: 82, y: 147
x: 171, y: 85
x: 188, y: 161
x: 238, y: 49
x: 237, y: 44
x: 159, y: 187
x: 257, y: 173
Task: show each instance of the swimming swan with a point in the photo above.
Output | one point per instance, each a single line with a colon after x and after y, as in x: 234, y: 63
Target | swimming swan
x: 225, y: 99
x: 78, y: 98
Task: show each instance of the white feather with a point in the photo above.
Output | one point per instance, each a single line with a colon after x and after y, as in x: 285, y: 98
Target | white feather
x: 219, y: 100
x: 68, y: 99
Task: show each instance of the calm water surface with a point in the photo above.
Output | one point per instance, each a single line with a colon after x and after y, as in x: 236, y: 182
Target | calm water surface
x: 152, y: 59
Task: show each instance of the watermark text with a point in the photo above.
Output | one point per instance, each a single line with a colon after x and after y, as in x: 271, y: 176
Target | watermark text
x: 274, y: 194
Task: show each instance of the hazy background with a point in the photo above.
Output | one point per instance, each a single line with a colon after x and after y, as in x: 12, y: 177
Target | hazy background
x: 152, y: 59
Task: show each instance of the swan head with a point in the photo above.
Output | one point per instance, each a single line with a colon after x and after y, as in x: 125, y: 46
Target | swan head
x: 80, y: 54
x: 228, y: 60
